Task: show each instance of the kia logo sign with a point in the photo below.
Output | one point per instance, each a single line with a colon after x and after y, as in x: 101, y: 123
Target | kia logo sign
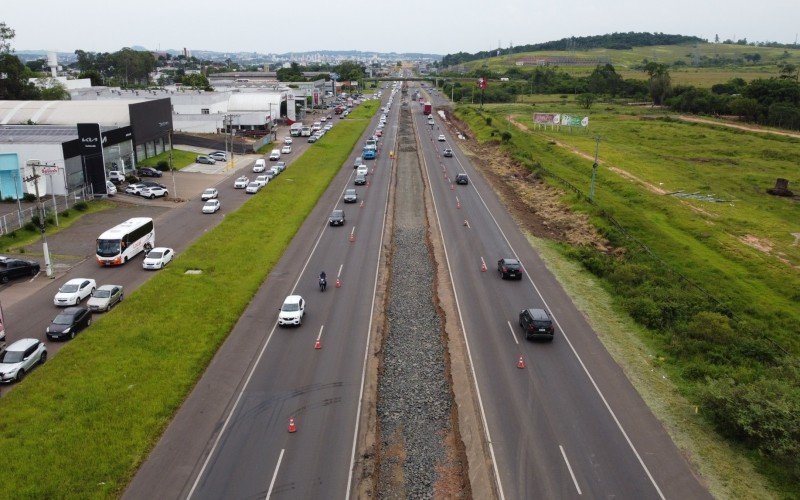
x: 88, y: 140
x: 163, y: 124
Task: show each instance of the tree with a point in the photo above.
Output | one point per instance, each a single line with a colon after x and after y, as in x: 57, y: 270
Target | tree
x: 745, y: 107
x: 291, y: 74
x: 349, y: 70
x: 93, y: 75
x: 660, y: 81
x: 15, y: 84
x: 196, y: 81
x: 586, y: 100
x: 6, y: 35
x: 788, y: 71
x: 716, y: 38
x: 55, y: 91
x: 37, y: 66
x: 605, y: 80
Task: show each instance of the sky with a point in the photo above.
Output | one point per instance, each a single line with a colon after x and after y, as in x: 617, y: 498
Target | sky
x: 430, y: 26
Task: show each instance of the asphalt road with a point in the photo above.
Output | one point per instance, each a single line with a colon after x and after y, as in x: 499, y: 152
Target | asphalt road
x: 569, y: 424
x: 230, y: 439
x: 28, y: 306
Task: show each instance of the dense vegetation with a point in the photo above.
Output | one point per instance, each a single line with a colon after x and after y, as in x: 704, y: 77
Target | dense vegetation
x: 610, y: 41
x: 722, y: 318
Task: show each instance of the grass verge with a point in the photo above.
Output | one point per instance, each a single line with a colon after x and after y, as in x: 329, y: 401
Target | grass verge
x: 24, y: 237
x: 90, y: 415
x: 180, y: 159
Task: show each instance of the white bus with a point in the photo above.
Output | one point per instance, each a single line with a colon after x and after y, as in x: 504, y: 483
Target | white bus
x: 123, y: 242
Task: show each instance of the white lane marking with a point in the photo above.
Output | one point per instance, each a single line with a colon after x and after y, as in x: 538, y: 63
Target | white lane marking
x: 574, y: 480
x: 483, y: 264
x: 258, y: 359
x: 275, y: 474
x: 512, y: 333
x: 466, y: 340
x: 320, y: 332
x: 339, y: 274
x: 369, y: 333
x: 353, y: 231
x: 572, y: 348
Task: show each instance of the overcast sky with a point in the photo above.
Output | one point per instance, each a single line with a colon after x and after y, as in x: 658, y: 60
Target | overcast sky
x: 433, y: 26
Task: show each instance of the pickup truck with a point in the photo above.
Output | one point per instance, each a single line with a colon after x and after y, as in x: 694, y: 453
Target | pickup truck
x: 16, y: 268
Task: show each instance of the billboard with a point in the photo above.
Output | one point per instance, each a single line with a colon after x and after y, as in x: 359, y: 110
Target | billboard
x: 574, y: 121
x: 91, y: 146
x: 555, y: 119
x: 546, y: 118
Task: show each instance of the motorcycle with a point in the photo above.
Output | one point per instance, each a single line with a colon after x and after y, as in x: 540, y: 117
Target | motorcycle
x: 323, y: 283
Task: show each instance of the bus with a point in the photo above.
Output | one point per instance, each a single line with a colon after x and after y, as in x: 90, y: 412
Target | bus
x: 123, y: 242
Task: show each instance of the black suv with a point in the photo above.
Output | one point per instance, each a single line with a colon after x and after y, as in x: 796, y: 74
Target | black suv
x: 537, y: 324
x: 336, y: 218
x: 462, y: 179
x: 149, y: 172
x: 17, y: 268
x: 509, y: 268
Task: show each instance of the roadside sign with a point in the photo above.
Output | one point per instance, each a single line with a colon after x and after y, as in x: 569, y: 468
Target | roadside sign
x: 49, y: 170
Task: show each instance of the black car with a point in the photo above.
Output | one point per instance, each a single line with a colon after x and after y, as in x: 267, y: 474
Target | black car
x: 16, y: 268
x: 462, y: 179
x: 360, y: 180
x: 149, y: 172
x: 509, y: 268
x: 536, y: 324
x: 69, y: 322
x: 447, y: 153
x: 336, y: 218
x: 350, y: 196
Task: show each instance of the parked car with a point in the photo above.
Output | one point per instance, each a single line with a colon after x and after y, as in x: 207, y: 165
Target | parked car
x: 292, y: 311
x: 158, y: 257
x: 253, y: 188
x: 154, y: 192
x: 537, y: 324
x: 115, y: 176
x: 241, y: 182
x: 350, y: 196
x: 211, y: 206
x: 441, y: 138
x: 207, y: 160
x: 134, y: 188
x: 209, y: 193
x: 336, y: 218
x: 462, y: 179
x: 447, y: 153
x: 105, y: 297
x: 259, y: 166
x: 281, y: 165
x: 74, y: 291
x: 360, y: 180
x: 509, y: 268
x: 149, y: 172
x: 218, y: 156
x: 16, y: 268
x: 286, y: 150
x: 111, y: 189
x: 152, y: 184
x: 21, y: 357
x: 68, y: 323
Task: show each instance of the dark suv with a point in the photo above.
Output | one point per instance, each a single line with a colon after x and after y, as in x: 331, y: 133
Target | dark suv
x: 536, y: 324
x: 336, y: 218
x: 509, y: 268
x: 462, y: 179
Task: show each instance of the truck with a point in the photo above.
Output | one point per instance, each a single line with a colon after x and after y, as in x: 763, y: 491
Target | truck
x: 426, y: 108
x: 295, y: 129
x: 370, y: 150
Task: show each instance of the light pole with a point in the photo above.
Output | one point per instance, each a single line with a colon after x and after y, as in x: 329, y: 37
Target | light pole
x: 594, y: 168
x: 35, y: 178
x: 172, y: 170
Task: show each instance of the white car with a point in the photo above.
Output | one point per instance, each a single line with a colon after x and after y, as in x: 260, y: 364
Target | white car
x: 134, y: 188
x: 275, y: 171
x: 259, y: 166
x: 442, y: 138
x: 153, y: 192
x: 275, y: 155
x: 20, y: 358
x: 211, y: 206
x: 262, y: 180
x: 286, y: 149
x: 209, y: 193
x: 158, y: 257
x: 253, y: 188
x: 241, y: 182
x: 74, y: 291
x: 292, y: 311
x: 328, y: 126
x: 287, y: 140
x: 362, y: 170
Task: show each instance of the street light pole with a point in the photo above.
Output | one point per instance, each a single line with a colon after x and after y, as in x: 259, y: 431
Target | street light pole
x: 594, y: 168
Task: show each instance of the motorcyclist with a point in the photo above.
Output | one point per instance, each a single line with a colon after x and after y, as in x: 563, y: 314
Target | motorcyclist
x: 323, y: 280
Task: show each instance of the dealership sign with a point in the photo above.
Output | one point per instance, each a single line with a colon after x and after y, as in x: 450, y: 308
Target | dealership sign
x: 49, y: 170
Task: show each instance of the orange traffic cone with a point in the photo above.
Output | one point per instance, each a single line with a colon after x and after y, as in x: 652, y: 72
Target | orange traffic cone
x: 362, y: 204
x: 317, y: 345
x: 292, y: 427
x: 458, y: 203
x: 452, y: 187
x: 338, y: 283
x: 352, y: 237
x: 483, y: 266
x: 521, y: 362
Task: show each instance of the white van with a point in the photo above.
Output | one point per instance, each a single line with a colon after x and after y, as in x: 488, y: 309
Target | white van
x: 275, y: 155
x: 260, y: 165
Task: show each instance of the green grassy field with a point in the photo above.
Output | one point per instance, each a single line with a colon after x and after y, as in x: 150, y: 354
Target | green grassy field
x: 741, y: 251
x: 625, y: 60
x: 80, y: 425
x: 180, y: 159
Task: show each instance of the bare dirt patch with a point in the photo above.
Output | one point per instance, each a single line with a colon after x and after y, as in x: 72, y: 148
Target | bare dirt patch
x: 749, y: 128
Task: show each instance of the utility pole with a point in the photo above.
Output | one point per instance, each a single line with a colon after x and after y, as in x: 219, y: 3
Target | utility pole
x: 34, y: 177
x: 172, y: 170
x: 594, y: 168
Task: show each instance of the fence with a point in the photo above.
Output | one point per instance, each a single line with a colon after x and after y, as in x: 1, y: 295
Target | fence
x: 52, y: 205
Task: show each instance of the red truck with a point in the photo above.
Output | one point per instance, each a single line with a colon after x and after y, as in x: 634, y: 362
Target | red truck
x: 426, y: 108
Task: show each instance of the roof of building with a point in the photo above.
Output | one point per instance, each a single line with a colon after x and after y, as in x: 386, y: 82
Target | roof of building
x: 39, y: 134
x: 105, y: 112
x: 255, y: 101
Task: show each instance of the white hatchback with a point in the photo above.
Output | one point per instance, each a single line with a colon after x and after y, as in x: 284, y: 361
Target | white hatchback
x: 211, y: 206
x: 241, y: 182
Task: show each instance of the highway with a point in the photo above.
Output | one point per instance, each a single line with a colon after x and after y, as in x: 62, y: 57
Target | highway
x: 230, y: 439
x: 569, y: 424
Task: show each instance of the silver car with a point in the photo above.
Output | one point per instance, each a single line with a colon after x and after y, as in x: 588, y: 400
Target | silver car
x: 20, y: 358
x: 105, y: 297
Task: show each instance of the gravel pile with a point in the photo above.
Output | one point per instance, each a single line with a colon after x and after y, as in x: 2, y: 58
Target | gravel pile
x: 414, y: 397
